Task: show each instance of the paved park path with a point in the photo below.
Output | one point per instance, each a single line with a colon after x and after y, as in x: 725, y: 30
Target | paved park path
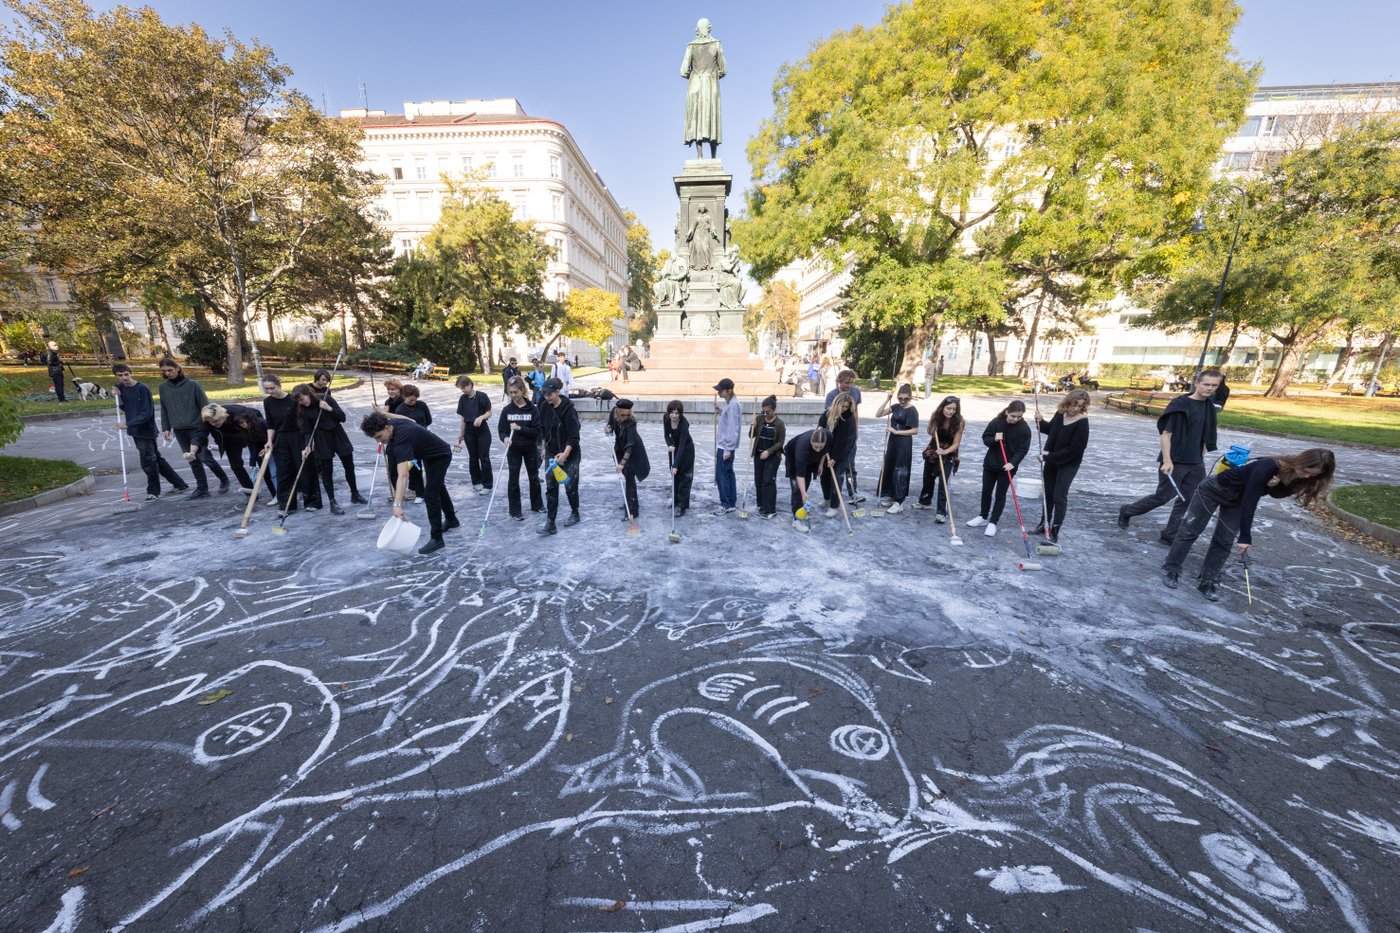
x: 752, y: 730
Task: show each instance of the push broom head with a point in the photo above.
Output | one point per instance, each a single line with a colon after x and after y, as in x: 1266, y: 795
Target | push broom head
x: 954, y: 540
x: 674, y: 537
x: 127, y: 506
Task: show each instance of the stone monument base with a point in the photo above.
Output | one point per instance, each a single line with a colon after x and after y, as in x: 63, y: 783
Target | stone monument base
x: 685, y: 367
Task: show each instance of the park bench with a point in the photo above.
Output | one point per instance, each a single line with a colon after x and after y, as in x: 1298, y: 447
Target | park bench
x: 1140, y: 401
x: 1144, y: 382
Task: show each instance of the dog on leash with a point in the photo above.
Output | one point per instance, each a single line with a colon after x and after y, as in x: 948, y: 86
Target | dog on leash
x: 87, y: 390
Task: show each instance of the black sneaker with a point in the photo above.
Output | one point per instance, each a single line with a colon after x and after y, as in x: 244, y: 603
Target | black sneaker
x: 336, y: 509
x: 450, y: 524
x: 573, y: 519
x: 1164, y: 542
x: 223, y: 485
x: 434, y: 544
x: 177, y: 490
x: 518, y: 518
x: 152, y: 496
x: 1171, y: 580
x: 357, y: 499
x: 199, y: 494
x: 1208, y: 591
x: 548, y: 529
x: 1122, y: 521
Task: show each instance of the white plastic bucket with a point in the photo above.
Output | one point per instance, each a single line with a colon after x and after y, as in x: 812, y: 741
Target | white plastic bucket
x: 399, y: 535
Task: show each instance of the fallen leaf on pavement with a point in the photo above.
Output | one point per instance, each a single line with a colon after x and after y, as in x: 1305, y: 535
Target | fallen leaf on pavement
x: 77, y: 871
x: 613, y: 908
x: 214, y: 697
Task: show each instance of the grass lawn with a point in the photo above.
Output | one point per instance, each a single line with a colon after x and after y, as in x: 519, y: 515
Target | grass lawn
x: 22, y: 477
x: 1342, y: 418
x: 34, y: 380
x: 1379, y: 503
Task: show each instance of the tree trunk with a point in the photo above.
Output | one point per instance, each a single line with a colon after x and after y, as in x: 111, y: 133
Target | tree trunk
x: 915, y: 344
x: 1343, y: 359
x: 1292, y: 355
x: 234, y: 343
x: 1263, y: 346
x: 1230, y: 344
x: 972, y: 352
x: 1028, y: 355
x: 344, y: 334
x: 993, y: 364
x: 1387, y: 343
x: 271, y: 337
x: 159, y: 343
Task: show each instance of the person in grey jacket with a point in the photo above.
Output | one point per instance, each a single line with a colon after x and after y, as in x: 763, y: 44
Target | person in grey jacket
x: 181, y: 402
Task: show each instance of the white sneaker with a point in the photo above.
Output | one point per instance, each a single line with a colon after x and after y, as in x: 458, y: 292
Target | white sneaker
x: 883, y: 502
x: 941, y: 518
x: 922, y: 506
x: 799, y: 525
x: 484, y: 491
x: 831, y: 513
x: 977, y: 522
x: 476, y: 488
x: 895, y: 509
x: 991, y: 530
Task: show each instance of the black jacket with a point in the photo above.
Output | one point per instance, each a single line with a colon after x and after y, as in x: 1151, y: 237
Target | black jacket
x: 629, y: 449
x: 1187, y: 449
x: 527, y: 435
x: 802, y: 460
x: 231, y: 438
x: 1065, y: 444
x: 1016, y: 437
x: 679, y: 438
x: 306, y: 417
x: 558, y: 427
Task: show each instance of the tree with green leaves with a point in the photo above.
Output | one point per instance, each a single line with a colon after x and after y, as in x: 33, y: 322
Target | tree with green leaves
x: 776, y: 313
x: 642, y: 267
x: 1012, y: 152
x: 589, y: 315
x: 156, y: 154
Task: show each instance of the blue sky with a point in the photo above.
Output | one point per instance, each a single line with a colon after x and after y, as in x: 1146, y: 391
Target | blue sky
x: 610, y: 71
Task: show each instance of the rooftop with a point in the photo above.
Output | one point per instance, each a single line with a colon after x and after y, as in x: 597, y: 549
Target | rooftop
x: 446, y: 113
x: 1327, y: 91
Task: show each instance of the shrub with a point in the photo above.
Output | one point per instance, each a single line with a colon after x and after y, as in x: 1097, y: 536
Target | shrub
x: 203, y: 345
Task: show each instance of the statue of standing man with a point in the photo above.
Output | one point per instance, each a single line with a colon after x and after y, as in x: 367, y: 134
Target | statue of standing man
x: 703, y: 66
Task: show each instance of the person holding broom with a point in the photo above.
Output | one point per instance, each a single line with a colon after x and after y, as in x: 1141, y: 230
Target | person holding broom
x: 516, y: 426
x: 806, y: 458
x: 899, y: 450
x: 840, y: 420
x: 1066, y: 439
x: 138, y: 419
x: 283, y: 441
x: 235, y: 428
x: 316, y: 418
x: 556, y: 421
x: 406, y: 443
x: 767, y: 436
x: 630, y: 453
x: 945, y: 434
x: 474, y: 411
x: 1008, y: 431
x: 1235, y: 494
x: 344, y: 450
x: 1186, y: 430
x: 681, y: 449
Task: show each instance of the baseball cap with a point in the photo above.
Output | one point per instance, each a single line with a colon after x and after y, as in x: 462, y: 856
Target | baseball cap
x: 725, y: 385
x: 552, y: 385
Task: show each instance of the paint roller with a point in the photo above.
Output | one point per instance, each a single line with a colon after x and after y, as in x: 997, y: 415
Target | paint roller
x: 1028, y: 565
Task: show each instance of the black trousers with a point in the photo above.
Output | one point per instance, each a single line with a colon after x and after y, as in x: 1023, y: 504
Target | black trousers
x: 347, y: 463
x: 184, y: 437
x: 435, y: 495
x: 154, y: 466
x: 325, y: 470
x: 629, y: 492
x: 680, y: 485
x: 1208, y: 499
x: 551, y: 487
x: 894, y: 481
x: 765, y: 480
x: 844, y: 479
x: 234, y: 453
x: 1057, y: 480
x: 933, y: 480
x: 1188, y: 476
x: 518, y: 458
x: 415, y: 480
x: 995, y: 482
x: 57, y: 378
x: 286, y: 457
x: 478, y: 446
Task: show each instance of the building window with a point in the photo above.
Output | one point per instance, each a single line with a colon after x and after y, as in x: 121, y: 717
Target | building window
x: 407, y: 246
x: 1239, y: 161
x: 521, y: 211
x: 556, y: 206
x: 517, y: 167
x: 442, y: 165
x: 420, y: 169
x: 1094, y: 349
x: 51, y: 286
x: 491, y: 167
x: 425, y: 207
x: 1251, y: 127
x: 466, y: 165
x: 554, y: 166
x: 398, y: 172
x: 558, y: 244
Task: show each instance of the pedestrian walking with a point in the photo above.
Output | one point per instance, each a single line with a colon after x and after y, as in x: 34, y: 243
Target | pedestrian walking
x: 53, y: 363
x: 181, y: 401
x: 138, y: 419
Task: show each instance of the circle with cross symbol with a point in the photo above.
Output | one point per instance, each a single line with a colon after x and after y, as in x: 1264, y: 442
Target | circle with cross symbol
x: 246, y: 732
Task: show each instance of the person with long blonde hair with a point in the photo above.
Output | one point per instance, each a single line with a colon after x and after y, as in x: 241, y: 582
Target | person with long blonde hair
x: 1235, y: 494
x: 1066, y: 439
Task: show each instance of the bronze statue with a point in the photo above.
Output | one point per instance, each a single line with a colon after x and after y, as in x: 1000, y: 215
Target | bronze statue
x: 703, y: 239
x: 703, y: 65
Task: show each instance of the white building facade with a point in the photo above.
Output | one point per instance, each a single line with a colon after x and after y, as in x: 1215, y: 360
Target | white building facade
x: 533, y: 164
x: 1277, y: 120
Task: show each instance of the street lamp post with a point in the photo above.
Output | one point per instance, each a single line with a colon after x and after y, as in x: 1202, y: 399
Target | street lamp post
x: 1200, y: 227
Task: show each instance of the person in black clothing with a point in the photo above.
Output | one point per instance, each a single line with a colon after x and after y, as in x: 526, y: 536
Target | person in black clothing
x: 557, y: 424
x: 516, y: 426
x: 1235, y: 493
x: 511, y: 371
x: 806, y: 458
x: 283, y: 441
x: 769, y: 434
x: 1008, y: 428
x: 840, y: 419
x: 1222, y: 394
x: 138, y: 419
x: 474, y: 410
x: 413, y: 407
x: 676, y: 430
x: 315, y: 421
x: 899, y: 453
x: 630, y: 453
x: 406, y: 443
x: 343, y: 448
x: 234, y: 428
x: 393, y: 403
x: 393, y: 396
x: 945, y: 434
x: 54, y: 364
x: 1066, y: 439
x: 1186, y: 430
